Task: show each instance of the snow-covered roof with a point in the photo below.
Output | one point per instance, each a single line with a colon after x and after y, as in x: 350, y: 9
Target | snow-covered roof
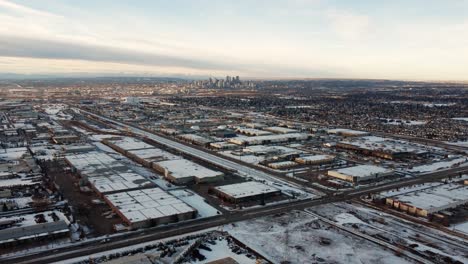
x: 315, y: 157
x: 183, y: 168
x: 148, y: 204
x: 437, y: 198
x: 280, y: 130
x: 105, y: 173
x: 363, y: 171
x: 269, y: 138
x: 129, y: 143
x: 246, y: 189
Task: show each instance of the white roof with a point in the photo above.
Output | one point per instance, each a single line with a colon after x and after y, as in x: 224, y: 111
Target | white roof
x: 105, y: 173
x: 386, y: 145
x: 271, y: 138
x: 283, y: 130
x: 154, y: 154
x: 347, y: 131
x: 246, y: 189
x: 182, y: 168
x: 148, y: 204
x: 129, y: 143
x: 436, y: 198
x: 363, y: 171
x: 315, y: 157
x: 253, y: 131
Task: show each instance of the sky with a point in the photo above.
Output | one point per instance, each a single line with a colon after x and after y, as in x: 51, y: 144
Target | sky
x: 371, y: 39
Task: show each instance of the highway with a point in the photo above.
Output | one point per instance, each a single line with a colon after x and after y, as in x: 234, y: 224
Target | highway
x: 151, y: 234
x: 131, y: 238
x: 199, y: 154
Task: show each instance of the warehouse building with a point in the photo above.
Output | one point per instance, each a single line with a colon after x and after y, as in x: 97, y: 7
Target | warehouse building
x: 183, y: 171
x: 268, y: 139
x: 385, y: 148
x: 149, y: 156
x: 360, y: 173
x: 149, y: 207
x: 105, y: 174
x: 252, y: 132
x: 347, y: 132
x: 430, y: 201
x: 195, y: 139
x: 45, y: 226
x: 282, y: 164
x: 125, y: 144
x: 280, y: 130
x: 315, y: 159
x: 246, y: 191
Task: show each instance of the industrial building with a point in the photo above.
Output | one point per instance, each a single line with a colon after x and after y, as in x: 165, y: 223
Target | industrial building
x: 195, y: 139
x: 149, y: 207
x: 360, y: 173
x: 149, y: 156
x: 252, y: 132
x: 183, y: 171
x: 385, y: 148
x: 268, y: 139
x: 282, y: 164
x: 315, y: 159
x: 105, y: 174
x: 125, y: 144
x: 347, y: 132
x: 280, y: 130
x: 28, y: 227
x: 246, y: 191
x: 430, y: 201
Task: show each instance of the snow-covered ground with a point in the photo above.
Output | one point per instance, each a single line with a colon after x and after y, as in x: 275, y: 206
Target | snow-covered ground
x: 397, y: 231
x: 221, y: 250
x: 301, y: 238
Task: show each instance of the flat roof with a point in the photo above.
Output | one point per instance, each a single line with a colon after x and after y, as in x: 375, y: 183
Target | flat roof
x: 182, y: 168
x: 316, y: 157
x: 386, y: 145
x: 129, y: 143
x: 283, y: 130
x: 439, y: 197
x: 362, y: 170
x: 154, y: 153
x: 346, y: 131
x: 246, y: 189
x: 272, y: 138
x: 25, y: 226
x: 253, y: 131
x: 153, y: 203
x: 105, y: 173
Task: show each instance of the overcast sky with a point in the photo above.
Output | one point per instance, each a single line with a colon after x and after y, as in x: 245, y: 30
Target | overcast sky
x: 398, y: 39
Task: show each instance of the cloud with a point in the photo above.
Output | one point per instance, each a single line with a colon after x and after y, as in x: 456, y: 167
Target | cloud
x: 15, y: 46
x: 25, y: 10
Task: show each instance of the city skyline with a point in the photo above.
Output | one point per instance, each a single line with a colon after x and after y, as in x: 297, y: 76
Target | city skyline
x: 419, y: 40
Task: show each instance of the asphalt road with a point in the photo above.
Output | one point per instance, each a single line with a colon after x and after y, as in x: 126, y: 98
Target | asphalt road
x: 151, y: 234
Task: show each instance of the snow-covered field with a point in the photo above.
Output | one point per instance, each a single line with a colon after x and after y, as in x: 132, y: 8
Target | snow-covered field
x: 301, y: 238
x: 221, y: 250
x: 398, y: 231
